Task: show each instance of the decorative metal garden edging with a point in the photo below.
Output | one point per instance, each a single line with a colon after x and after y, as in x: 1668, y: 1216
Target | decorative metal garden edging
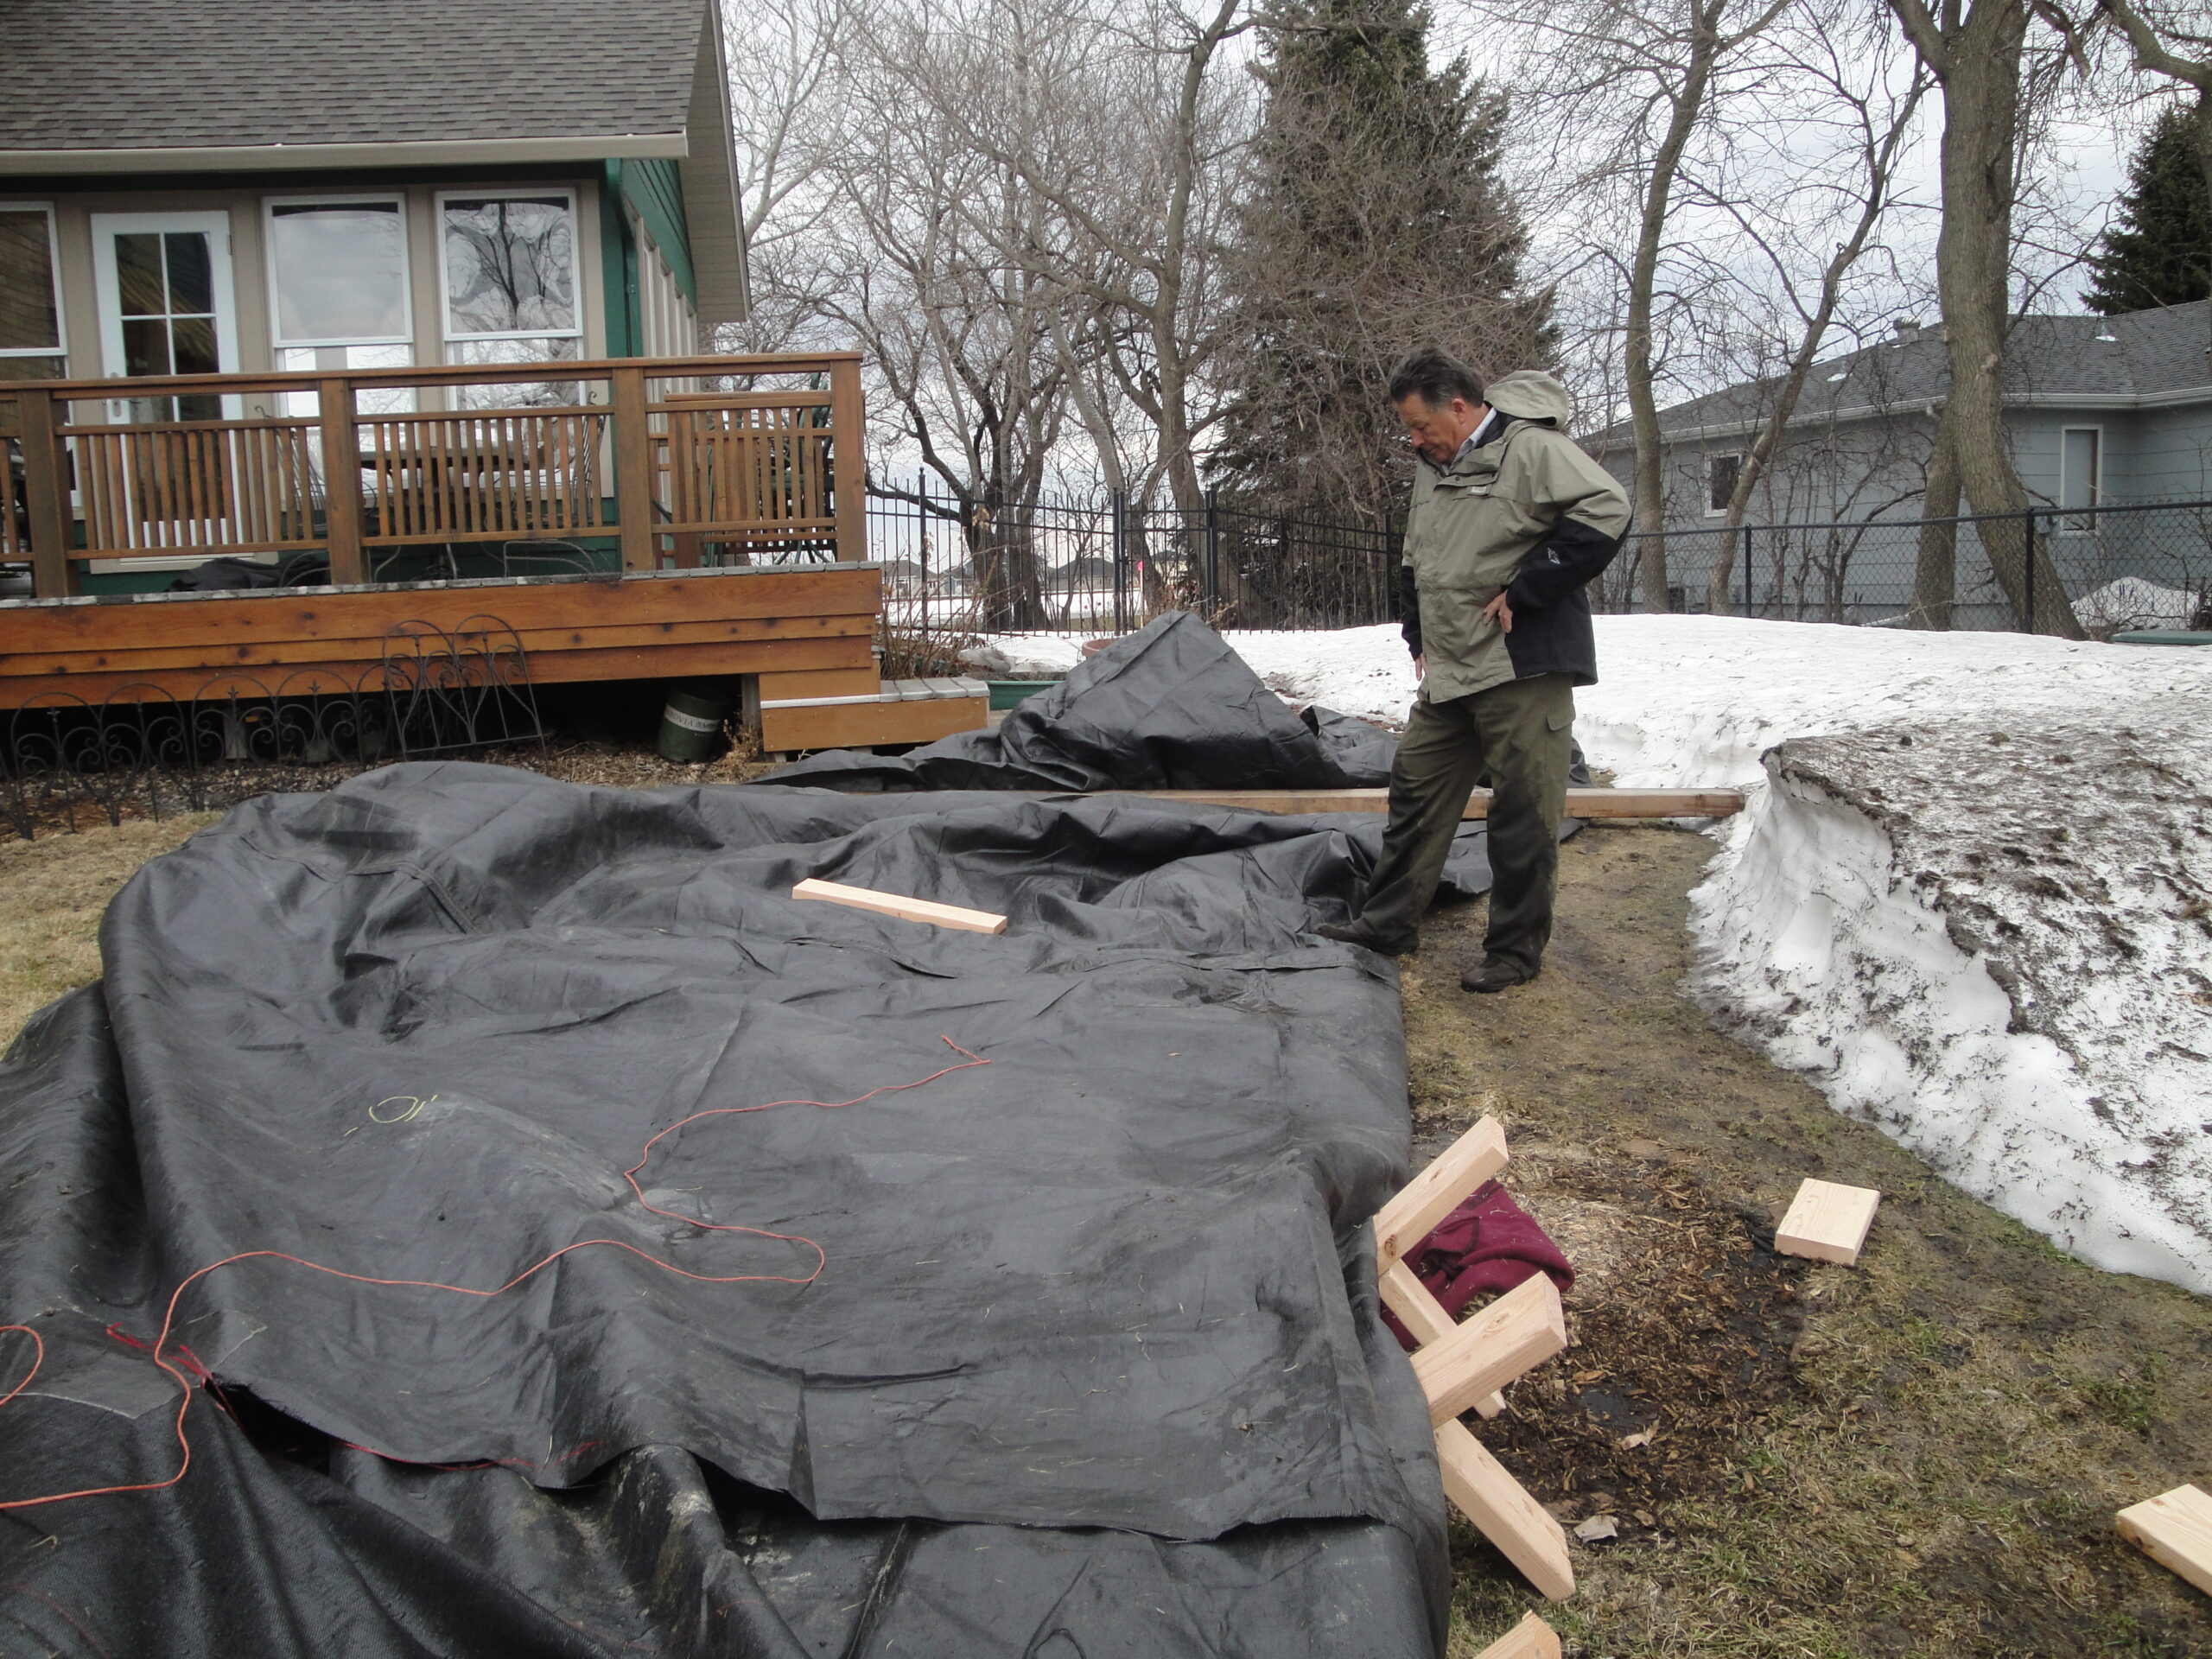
x: 431, y: 692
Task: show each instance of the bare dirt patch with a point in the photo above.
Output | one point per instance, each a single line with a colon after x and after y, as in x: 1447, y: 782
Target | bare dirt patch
x: 1919, y: 1455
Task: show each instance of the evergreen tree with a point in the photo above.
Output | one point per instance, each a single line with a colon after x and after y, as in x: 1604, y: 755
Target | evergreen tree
x: 2160, y: 252
x: 1377, y: 222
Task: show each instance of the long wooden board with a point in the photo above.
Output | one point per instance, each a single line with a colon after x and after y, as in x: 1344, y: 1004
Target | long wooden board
x: 1412, y: 1212
x: 156, y: 620
x: 1425, y: 1320
x: 1581, y: 803
x: 906, y: 910
x: 862, y: 725
x: 1518, y: 1331
x: 547, y: 668
x: 1480, y: 1488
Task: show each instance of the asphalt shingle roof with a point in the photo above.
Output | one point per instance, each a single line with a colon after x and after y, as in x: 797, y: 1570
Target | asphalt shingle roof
x: 2161, y: 350
x: 132, y: 74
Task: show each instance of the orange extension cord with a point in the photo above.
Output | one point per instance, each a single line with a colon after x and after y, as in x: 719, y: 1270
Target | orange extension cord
x: 191, y: 1370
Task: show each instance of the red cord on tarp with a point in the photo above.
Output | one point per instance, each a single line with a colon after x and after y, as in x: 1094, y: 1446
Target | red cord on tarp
x: 190, y: 1370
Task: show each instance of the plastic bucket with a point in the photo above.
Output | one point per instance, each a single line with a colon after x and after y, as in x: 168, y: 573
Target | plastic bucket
x: 691, y: 723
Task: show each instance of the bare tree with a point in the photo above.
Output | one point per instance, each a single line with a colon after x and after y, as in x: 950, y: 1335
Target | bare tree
x: 1977, y: 50
x: 1644, y: 80
x: 1854, y: 82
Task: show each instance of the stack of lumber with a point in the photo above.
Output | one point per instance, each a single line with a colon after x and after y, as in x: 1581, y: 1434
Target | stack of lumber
x: 1463, y: 1366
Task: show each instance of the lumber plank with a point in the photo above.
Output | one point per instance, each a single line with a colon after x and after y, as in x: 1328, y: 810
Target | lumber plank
x: 819, y: 682
x: 312, y: 613
x: 1434, y: 1193
x: 1827, y: 1222
x: 546, y: 668
x: 1425, y: 1320
x: 1522, y: 1329
x: 906, y: 910
x: 1531, y: 1639
x: 2175, y: 1530
x: 1581, y: 803
x: 859, y: 725
x: 366, y: 648
x: 1501, y: 1509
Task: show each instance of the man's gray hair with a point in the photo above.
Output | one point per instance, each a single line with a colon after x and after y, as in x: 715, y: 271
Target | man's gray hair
x: 1436, y: 377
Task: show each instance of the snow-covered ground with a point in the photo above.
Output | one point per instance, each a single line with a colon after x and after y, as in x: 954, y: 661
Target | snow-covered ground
x: 1970, y: 895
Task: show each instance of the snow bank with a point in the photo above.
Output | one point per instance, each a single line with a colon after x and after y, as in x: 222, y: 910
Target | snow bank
x: 2134, y: 602
x: 1968, y: 898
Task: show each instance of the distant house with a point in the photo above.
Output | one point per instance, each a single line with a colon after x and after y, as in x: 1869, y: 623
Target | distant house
x: 250, y: 184
x: 2099, y: 413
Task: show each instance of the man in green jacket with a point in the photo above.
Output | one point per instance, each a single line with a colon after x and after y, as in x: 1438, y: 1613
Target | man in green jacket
x: 1509, y: 520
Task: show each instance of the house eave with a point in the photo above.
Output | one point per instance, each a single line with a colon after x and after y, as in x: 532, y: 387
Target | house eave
x: 226, y: 158
x: 2107, y: 402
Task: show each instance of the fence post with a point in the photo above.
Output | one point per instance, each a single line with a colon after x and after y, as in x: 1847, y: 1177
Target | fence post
x: 2028, y: 548
x: 633, y: 471
x: 1747, y: 570
x: 53, y: 573
x: 1120, y: 503
x: 1211, y: 588
x: 341, y: 481
x: 847, y: 426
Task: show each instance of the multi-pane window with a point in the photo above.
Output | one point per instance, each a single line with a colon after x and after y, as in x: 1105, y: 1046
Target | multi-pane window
x: 165, y: 301
x: 30, y: 304
x: 510, y: 283
x: 338, y: 291
x: 338, y: 283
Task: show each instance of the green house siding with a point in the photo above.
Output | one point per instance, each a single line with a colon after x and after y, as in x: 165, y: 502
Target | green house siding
x: 653, y: 190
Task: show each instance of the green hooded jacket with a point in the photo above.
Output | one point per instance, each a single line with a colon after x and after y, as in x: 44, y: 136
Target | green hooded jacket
x: 1527, y: 512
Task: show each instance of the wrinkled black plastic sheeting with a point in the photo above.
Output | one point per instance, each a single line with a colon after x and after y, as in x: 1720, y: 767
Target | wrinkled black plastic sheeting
x: 1095, y: 1284
x: 1169, y: 707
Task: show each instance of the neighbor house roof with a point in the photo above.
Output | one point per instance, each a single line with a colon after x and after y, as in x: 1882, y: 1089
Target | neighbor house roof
x: 2142, y: 359
x: 155, y: 86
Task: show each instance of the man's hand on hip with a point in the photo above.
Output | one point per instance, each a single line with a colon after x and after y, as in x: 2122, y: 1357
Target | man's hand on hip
x: 1499, y: 611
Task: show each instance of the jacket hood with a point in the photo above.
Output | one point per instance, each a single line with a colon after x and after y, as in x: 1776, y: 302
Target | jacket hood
x: 1529, y: 395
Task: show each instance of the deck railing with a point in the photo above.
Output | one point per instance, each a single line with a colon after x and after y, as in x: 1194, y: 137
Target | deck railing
x: 659, y: 457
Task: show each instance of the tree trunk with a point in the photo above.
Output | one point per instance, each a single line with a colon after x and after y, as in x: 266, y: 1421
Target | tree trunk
x: 1981, y: 108
x: 1935, y: 577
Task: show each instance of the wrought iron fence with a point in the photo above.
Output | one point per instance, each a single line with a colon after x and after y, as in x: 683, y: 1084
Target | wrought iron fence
x: 1103, y: 562
x: 145, y: 748
x: 1074, y: 562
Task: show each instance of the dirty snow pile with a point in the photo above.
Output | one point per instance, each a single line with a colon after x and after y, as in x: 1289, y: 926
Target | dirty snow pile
x: 1970, y: 896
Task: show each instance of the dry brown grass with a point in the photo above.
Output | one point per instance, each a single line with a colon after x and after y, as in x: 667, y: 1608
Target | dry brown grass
x: 52, y: 892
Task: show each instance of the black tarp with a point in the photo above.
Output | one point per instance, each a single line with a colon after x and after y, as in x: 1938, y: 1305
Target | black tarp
x: 1093, y: 1366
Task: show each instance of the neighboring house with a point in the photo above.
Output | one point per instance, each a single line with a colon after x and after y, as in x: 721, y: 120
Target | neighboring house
x: 248, y: 185
x: 2100, y: 412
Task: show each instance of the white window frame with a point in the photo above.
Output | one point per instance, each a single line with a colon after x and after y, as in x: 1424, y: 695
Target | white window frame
x: 60, y: 301
x: 276, y: 340
x: 2096, y: 470
x: 446, y: 335
x: 1737, y: 455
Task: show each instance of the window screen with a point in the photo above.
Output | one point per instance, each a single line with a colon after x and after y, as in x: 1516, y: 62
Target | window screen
x: 2081, y: 467
x: 510, y: 266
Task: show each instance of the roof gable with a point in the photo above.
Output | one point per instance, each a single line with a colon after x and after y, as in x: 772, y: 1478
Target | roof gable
x: 84, y: 78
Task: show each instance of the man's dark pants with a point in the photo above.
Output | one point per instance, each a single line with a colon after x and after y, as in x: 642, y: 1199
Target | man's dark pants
x: 1521, y: 734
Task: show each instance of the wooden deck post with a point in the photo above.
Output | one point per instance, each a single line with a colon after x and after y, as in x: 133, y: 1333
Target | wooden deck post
x: 633, y: 471
x: 341, y: 482
x: 848, y: 418
x: 53, y: 574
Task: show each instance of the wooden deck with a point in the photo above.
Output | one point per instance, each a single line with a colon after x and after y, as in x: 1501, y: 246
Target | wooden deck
x: 807, y: 632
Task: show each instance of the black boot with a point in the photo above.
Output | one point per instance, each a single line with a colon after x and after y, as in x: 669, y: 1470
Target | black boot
x: 1496, y: 974
x: 1356, y: 931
